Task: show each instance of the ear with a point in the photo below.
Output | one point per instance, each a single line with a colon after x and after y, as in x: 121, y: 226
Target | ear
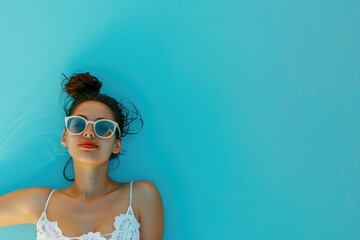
x: 117, y: 146
x: 63, y: 139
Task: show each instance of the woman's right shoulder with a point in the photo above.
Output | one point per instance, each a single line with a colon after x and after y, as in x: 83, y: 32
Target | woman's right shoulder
x: 23, y: 205
x: 38, y: 197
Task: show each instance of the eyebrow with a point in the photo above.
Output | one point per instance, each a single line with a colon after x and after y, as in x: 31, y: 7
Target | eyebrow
x: 87, y: 119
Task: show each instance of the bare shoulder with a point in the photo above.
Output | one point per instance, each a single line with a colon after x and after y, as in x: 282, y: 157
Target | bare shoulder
x: 147, y: 197
x: 145, y: 187
x: 22, y: 206
x: 37, y: 197
x: 145, y: 192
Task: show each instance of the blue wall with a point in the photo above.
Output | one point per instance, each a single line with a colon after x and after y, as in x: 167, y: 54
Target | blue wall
x: 251, y: 108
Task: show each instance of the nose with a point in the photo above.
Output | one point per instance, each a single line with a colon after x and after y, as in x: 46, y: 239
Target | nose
x: 89, y: 131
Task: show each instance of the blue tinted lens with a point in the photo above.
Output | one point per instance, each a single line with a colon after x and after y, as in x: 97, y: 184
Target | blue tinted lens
x: 76, y: 125
x: 104, y: 128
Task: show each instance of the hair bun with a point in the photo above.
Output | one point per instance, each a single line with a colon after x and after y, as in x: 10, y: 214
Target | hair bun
x: 81, y: 83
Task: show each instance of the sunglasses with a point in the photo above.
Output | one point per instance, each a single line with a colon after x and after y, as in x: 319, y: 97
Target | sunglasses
x: 103, y: 128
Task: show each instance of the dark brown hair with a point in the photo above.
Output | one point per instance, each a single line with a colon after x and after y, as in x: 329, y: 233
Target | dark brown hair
x: 83, y: 87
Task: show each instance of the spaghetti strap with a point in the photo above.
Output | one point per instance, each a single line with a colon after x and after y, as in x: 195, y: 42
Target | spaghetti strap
x: 131, y: 191
x: 47, y: 201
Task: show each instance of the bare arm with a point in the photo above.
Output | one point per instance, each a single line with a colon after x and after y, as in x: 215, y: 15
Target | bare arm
x: 18, y: 207
x: 151, y: 211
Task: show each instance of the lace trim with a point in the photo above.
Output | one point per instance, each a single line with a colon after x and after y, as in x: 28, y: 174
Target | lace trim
x: 126, y: 228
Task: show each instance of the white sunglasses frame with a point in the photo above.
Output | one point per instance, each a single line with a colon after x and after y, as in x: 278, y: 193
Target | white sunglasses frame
x: 94, y: 123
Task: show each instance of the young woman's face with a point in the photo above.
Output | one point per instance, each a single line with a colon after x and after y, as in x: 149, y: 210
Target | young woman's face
x: 91, y: 111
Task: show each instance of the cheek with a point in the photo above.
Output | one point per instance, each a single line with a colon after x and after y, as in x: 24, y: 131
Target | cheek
x: 109, y: 146
x: 72, y: 141
x: 72, y: 146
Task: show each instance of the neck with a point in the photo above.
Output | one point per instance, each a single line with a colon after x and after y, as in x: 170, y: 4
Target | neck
x: 91, y: 181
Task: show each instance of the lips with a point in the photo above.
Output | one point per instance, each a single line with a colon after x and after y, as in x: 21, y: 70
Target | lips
x: 88, y: 144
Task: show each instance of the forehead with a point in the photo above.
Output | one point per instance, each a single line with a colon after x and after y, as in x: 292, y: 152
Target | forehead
x: 93, y: 110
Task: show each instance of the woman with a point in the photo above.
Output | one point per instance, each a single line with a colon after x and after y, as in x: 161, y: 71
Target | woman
x: 94, y: 207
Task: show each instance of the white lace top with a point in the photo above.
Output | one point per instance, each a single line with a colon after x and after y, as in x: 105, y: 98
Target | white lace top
x: 126, y: 227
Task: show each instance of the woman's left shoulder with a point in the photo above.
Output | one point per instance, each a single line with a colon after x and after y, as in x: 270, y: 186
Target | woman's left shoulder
x: 146, y: 193
x: 145, y: 188
x: 148, y: 201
